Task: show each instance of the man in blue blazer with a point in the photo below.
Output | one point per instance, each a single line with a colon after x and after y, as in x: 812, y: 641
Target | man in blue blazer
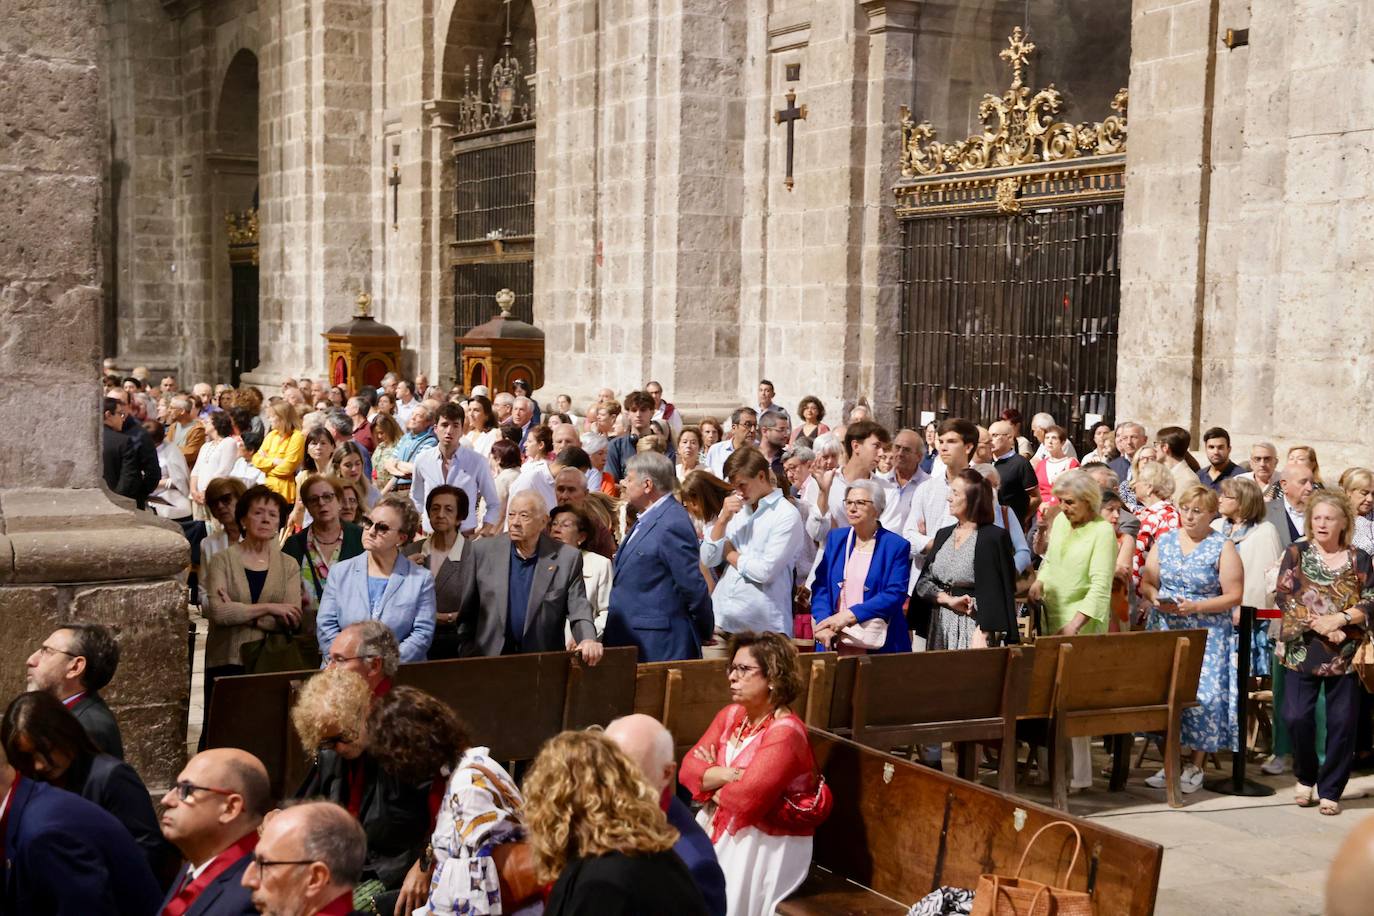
x: 659, y: 600
x: 216, y: 828
x: 64, y: 854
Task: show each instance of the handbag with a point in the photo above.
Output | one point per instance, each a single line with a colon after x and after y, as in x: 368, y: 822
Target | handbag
x: 867, y: 634
x: 514, y: 861
x: 807, y: 810
x: 1017, y: 896
x: 274, y: 652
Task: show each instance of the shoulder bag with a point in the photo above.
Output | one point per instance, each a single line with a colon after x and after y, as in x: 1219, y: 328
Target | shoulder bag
x: 514, y: 861
x: 1017, y: 896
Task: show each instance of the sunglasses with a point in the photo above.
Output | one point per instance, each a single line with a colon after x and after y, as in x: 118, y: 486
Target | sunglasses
x: 381, y: 528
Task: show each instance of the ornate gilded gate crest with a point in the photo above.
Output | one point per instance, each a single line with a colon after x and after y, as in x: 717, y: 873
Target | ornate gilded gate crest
x: 1022, y: 155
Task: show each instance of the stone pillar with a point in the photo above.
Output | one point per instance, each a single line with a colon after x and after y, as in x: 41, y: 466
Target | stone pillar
x: 67, y: 551
x: 1164, y: 236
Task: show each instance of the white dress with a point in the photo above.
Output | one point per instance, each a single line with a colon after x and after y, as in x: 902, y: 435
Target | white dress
x: 761, y: 870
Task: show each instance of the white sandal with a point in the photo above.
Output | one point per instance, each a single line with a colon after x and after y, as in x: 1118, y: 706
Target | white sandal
x: 1303, y: 795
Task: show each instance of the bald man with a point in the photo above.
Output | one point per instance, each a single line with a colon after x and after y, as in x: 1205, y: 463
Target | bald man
x: 317, y: 851
x: 212, y: 815
x: 1350, y: 883
x: 649, y: 745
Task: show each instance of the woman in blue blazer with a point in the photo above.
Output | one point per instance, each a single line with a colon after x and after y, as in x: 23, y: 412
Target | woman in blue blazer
x: 887, y: 556
x: 381, y: 584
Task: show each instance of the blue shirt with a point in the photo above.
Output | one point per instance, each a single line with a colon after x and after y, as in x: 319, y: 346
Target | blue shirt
x: 518, y: 596
x: 376, y: 587
x: 409, y: 447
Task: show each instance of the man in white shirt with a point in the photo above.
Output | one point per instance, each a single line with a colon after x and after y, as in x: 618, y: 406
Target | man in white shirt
x: 405, y: 402
x: 744, y: 427
x: 864, y: 441
x: 451, y: 464
x: 1264, y: 461
x: 664, y: 412
x: 930, y: 505
x: 905, y: 478
x: 758, y: 535
x: 1288, y: 513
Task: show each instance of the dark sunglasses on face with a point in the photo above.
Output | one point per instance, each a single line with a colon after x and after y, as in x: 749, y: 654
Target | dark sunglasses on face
x: 380, y: 528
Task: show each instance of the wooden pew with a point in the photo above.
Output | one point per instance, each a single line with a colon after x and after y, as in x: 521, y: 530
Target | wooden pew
x: 933, y: 697
x: 1115, y: 684
x: 900, y: 830
x: 686, y: 695
x: 512, y: 703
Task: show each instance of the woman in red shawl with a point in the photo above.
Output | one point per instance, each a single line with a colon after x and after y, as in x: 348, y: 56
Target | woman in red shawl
x: 754, y: 772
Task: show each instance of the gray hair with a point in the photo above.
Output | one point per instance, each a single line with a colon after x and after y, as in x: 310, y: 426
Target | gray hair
x: 334, y: 837
x: 1104, y: 474
x: 360, y: 402
x: 528, y: 402
x: 772, y: 418
x: 376, y: 640
x: 656, y: 468
x: 505, y: 397
x: 799, y: 452
x: 390, y: 377
x: 1129, y: 424
x: 180, y: 402
x: 1080, y: 485
x: 828, y: 444
x: 338, y: 422
x: 532, y: 497
x: 1268, y: 445
x: 874, y: 491
x: 1042, y: 420
x: 594, y: 442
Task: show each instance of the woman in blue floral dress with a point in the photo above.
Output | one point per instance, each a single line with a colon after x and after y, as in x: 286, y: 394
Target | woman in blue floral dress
x: 1193, y: 578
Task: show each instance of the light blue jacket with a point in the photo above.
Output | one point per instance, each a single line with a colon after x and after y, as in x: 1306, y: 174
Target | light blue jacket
x: 406, y: 606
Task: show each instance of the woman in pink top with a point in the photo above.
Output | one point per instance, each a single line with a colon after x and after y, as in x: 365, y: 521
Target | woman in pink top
x: 1055, y: 463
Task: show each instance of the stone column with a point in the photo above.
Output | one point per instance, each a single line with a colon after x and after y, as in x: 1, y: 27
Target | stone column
x: 67, y: 551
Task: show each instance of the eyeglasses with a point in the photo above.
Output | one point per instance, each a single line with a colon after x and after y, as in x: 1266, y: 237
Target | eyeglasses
x: 332, y: 660
x: 46, y: 650
x: 381, y: 528
x: 262, y: 863
x: 741, y: 670
x: 318, y: 498
x: 857, y: 504
x: 185, y: 790
x: 1191, y: 510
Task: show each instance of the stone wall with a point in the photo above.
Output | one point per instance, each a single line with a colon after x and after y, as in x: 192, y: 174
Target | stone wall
x: 1248, y: 219
x: 67, y: 551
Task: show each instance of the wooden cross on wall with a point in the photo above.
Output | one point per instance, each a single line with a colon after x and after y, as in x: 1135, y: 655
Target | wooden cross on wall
x: 791, y: 114
x: 395, y: 182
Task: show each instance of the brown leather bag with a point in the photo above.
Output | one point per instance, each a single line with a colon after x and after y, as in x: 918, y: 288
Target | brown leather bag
x: 514, y: 861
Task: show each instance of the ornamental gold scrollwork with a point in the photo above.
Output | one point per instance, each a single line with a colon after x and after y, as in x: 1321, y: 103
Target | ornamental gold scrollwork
x: 242, y: 228
x: 1019, y: 128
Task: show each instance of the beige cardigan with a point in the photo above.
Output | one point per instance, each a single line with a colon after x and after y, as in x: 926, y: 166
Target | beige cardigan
x: 231, y: 623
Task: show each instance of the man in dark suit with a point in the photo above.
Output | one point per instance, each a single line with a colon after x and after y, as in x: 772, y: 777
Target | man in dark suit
x: 659, y: 600
x: 315, y: 851
x: 1288, y: 512
x: 149, y: 470
x: 1130, y: 436
x: 212, y: 815
x: 525, y: 590
x: 73, y: 664
x: 64, y: 854
x: 122, y: 472
x: 645, y: 741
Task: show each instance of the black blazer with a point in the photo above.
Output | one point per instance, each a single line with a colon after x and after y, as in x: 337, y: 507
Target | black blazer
x: 394, y: 815
x: 122, y: 471
x: 113, y: 785
x: 994, y: 583
x: 224, y: 896
x: 619, y: 885
x: 99, y: 723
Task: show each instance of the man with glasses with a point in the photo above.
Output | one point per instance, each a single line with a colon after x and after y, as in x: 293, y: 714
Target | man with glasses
x: 212, y: 814
x: 64, y: 854
x: 1130, y: 436
x: 526, y: 590
x: 744, y: 428
x: 73, y: 664
x: 1018, y: 489
x: 1264, y: 461
x: 307, y: 861
x: 368, y: 649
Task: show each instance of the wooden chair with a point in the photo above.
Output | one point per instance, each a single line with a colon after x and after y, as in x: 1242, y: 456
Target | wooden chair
x: 933, y: 697
x: 899, y: 830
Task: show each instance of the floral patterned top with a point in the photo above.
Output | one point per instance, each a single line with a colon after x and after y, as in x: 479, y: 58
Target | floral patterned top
x: 1307, y: 589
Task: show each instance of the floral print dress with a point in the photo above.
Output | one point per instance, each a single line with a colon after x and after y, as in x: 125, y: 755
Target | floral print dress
x: 1196, y: 576
x: 1307, y: 589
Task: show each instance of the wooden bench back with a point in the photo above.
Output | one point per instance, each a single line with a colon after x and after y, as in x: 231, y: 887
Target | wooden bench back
x: 513, y: 704
x: 1113, y: 670
x: 686, y: 695
x: 903, y: 829
x: 932, y: 697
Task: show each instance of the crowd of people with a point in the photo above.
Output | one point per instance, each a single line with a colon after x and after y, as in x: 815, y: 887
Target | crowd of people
x: 405, y: 522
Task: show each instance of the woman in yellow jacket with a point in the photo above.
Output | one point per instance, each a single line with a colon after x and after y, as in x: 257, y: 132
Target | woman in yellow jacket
x: 282, y: 451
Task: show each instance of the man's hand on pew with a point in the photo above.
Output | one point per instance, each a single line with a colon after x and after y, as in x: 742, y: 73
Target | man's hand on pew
x: 591, y: 651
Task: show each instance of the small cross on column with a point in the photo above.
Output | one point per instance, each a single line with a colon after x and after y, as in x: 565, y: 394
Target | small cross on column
x: 395, y: 182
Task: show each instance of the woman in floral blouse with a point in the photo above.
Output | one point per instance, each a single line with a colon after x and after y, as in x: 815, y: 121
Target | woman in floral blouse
x: 1326, y: 592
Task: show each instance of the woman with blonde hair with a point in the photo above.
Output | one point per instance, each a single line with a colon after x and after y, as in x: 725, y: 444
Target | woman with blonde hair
x: 282, y: 451
x: 1358, y: 486
x: 598, y: 833
x: 386, y: 432
x: 1153, y: 485
x: 347, y: 463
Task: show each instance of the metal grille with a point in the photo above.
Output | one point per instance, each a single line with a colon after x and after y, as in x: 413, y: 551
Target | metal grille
x: 243, y: 352
x: 1012, y: 312
x: 495, y: 196
x: 475, y: 287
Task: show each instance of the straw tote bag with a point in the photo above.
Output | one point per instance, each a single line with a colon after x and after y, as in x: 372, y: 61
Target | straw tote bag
x: 1017, y: 896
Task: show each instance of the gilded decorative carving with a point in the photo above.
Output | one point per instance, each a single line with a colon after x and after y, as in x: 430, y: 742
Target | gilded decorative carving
x: 1008, y: 191
x: 242, y: 229
x: 1019, y: 128
x: 504, y: 100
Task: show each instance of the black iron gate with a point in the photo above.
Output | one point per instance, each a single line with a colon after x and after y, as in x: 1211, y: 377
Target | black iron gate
x: 494, y: 230
x: 1012, y: 311
x: 244, y: 308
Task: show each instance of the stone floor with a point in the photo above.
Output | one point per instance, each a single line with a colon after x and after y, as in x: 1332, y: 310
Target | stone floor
x: 1222, y: 855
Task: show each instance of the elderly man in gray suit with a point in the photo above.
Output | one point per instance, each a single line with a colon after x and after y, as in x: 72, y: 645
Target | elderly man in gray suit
x: 526, y: 589
x: 1288, y: 512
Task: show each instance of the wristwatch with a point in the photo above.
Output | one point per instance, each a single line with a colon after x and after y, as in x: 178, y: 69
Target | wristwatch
x: 1349, y: 619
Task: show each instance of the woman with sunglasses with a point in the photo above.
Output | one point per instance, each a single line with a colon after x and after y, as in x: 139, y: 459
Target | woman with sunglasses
x: 382, y: 584
x: 46, y: 743
x: 330, y: 716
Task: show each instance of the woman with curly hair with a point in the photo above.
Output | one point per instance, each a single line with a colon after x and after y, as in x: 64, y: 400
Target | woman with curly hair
x: 597, y: 832
x: 810, y: 412
x: 416, y: 737
x: 331, y: 719
x: 755, y: 775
